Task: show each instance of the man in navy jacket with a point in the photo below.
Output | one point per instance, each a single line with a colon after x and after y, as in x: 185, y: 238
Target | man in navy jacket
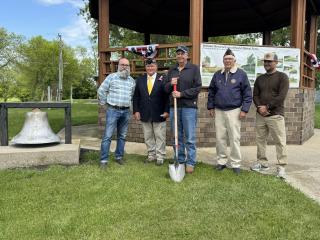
x: 151, y: 106
x: 229, y: 101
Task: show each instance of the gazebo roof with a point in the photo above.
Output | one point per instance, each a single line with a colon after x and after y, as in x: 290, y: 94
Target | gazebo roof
x: 221, y: 17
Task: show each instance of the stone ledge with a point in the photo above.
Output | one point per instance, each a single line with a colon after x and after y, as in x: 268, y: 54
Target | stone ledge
x: 18, y: 157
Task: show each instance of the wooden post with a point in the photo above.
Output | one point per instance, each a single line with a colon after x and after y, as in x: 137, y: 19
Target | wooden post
x: 196, y: 28
x: 311, y: 39
x: 103, y: 38
x: 298, y: 16
x: 311, y: 34
x: 146, y: 38
x: 266, y: 38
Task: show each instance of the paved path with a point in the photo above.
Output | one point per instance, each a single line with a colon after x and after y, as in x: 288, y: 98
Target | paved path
x: 303, y: 171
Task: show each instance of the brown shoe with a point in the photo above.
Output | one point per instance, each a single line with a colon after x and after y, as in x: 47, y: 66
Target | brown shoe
x: 189, y: 169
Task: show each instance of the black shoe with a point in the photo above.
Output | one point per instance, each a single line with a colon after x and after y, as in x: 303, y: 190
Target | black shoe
x: 120, y: 161
x: 220, y: 167
x: 103, y: 165
x: 236, y: 170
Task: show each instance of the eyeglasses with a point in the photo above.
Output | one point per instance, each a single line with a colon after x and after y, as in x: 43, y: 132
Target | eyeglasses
x: 124, y: 65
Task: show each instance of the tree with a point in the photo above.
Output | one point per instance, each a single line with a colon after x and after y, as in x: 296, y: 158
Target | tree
x: 9, y: 43
x: 8, y: 84
x: 281, y: 37
x: 39, y: 67
x: 85, y: 86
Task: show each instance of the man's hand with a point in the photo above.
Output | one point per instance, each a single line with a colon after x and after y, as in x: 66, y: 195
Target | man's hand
x: 242, y: 115
x: 137, y: 116
x: 165, y: 115
x: 103, y: 106
x: 176, y: 94
x: 212, y: 113
x: 174, y: 81
x: 263, y: 110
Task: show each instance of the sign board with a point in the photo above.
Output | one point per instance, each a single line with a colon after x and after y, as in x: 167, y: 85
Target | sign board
x: 250, y: 59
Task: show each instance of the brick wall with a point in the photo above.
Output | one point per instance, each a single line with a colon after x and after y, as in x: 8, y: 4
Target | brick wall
x: 299, y: 117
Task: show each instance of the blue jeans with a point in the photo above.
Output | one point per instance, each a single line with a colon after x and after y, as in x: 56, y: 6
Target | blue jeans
x: 115, y: 119
x: 187, y: 123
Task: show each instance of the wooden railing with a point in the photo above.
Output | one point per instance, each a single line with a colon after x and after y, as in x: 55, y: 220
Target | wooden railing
x: 308, y: 73
x: 166, y: 57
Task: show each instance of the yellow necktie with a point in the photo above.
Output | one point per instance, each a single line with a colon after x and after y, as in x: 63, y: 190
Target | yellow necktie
x: 149, y: 84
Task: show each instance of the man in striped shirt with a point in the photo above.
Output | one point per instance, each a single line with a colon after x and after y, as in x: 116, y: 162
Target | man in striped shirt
x: 116, y: 92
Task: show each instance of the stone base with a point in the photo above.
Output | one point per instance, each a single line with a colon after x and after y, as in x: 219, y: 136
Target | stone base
x: 18, y: 157
x: 299, y: 118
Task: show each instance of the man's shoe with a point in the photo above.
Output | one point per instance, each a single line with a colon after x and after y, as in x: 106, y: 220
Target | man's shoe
x: 159, y: 162
x: 281, y: 172
x: 120, y: 161
x: 220, y: 167
x: 236, y: 170
x: 258, y: 167
x: 103, y: 165
x: 189, y: 169
x: 149, y: 160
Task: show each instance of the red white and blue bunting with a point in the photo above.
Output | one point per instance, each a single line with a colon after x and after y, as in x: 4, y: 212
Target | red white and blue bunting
x: 146, y: 51
x: 314, y: 61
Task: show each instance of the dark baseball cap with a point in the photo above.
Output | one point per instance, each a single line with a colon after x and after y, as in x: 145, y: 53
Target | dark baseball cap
x: 182, y: 48
x: 150, y: 61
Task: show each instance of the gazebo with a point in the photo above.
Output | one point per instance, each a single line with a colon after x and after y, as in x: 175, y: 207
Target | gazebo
x: 201, y: 19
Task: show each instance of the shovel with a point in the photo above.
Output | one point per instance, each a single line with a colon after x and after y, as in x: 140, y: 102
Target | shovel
x: 176, y: 169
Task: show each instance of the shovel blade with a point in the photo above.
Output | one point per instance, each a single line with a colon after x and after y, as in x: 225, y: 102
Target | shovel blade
x: 177, y: 172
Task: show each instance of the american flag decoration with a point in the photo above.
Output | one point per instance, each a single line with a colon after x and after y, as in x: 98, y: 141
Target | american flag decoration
x: 146, y: 51
x: 314, y: 61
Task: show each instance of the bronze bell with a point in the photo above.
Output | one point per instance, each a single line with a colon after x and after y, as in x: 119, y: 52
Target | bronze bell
x: 36, y: 130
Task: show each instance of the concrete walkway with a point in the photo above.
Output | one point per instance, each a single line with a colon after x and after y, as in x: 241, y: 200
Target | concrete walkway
x: 303, y: 170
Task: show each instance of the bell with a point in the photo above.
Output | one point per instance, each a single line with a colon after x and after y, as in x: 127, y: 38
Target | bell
x: 36, y: 130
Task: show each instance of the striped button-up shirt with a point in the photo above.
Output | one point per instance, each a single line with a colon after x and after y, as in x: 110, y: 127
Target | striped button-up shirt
x: 116, y: 91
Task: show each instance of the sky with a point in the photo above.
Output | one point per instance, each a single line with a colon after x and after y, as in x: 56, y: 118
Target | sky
x: 46, y: 18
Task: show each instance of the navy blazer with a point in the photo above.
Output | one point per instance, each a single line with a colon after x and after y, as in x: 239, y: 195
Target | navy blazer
x: 153, y: 105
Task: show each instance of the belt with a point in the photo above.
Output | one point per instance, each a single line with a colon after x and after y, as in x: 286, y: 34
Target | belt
x: 118, y: 107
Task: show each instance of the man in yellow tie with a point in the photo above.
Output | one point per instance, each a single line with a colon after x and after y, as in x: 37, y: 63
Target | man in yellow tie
x: 151, y: 107
x: 150, y: 84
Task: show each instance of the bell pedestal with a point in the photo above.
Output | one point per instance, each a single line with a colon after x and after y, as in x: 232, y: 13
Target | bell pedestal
x: 19, y: 157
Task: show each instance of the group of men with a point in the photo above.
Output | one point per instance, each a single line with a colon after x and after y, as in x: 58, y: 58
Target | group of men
x: 229, y: 101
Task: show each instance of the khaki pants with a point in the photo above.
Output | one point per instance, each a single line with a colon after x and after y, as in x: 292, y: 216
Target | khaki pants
x: 228, y: 125
x: 155, y: 139
x: 276, y: 126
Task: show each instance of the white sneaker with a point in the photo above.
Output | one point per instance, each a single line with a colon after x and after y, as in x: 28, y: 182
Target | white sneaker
x: 281, y: 172
x: 258, y: 167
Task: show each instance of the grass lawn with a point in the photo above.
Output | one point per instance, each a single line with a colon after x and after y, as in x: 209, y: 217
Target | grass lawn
x: 317, y: 116
x: 139, y: 201
x: 82, y: 113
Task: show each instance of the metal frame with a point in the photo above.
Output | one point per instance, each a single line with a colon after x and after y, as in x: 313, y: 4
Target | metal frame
x: 4, y: 117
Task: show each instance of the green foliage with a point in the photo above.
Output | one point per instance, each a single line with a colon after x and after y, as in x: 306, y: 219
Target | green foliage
x: 9, y: 43
x: 139, y: 201
x: 281, y: 37
x: 250, y: 39
x: 8, y: 85
x: 317, y: 116
x: 39, y: 68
